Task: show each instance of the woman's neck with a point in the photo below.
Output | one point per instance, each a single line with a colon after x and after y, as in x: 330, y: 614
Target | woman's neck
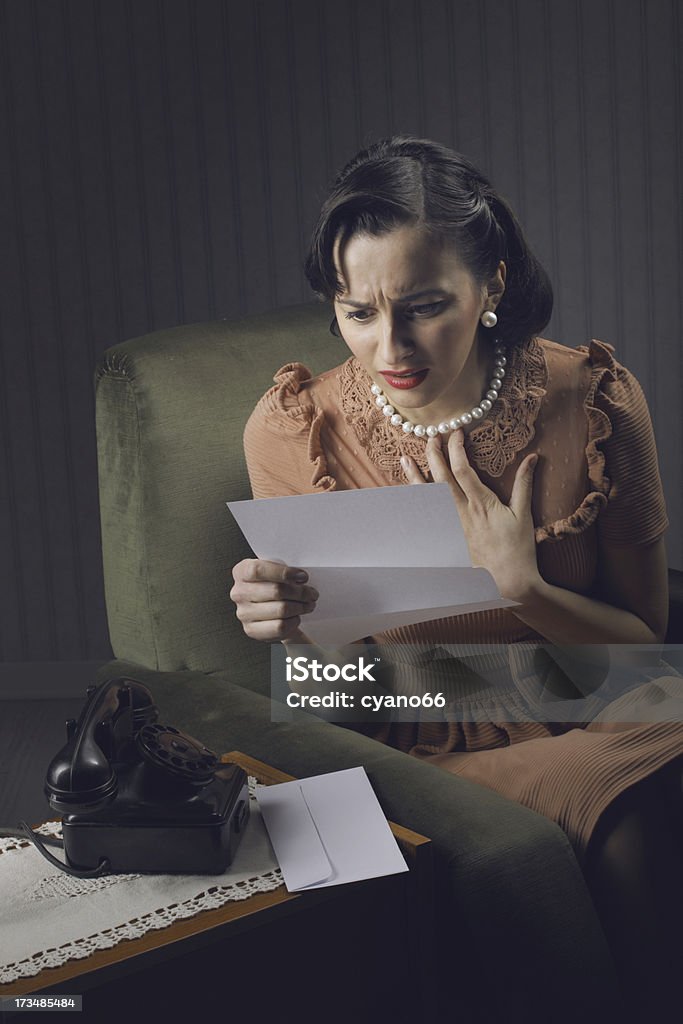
x: 467, y: 391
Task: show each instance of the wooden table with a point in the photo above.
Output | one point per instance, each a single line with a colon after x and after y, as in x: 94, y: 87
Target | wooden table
x: 406, y: 898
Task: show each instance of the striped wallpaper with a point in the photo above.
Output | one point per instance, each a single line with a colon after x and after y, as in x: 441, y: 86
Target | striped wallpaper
x: 161, y: 162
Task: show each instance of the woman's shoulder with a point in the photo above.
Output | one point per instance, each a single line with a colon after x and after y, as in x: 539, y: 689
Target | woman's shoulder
x: 283, y: 437
x: 294, y: 399
x: 594, y: 369
x: 620, y: 445
x: 595, y: 356
x: 613, y: 399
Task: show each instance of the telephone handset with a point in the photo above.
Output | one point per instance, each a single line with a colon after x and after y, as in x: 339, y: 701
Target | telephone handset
x: 138, y: 796
x: 81, y: 776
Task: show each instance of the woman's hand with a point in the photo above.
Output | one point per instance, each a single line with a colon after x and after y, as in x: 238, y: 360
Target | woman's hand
x: 500, y: 537
x: 271, y: 598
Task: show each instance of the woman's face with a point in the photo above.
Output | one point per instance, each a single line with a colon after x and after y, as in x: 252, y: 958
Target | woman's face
x: 409, y: 311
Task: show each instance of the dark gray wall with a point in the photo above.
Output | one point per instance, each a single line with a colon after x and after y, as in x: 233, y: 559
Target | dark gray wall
x: 161, y: 162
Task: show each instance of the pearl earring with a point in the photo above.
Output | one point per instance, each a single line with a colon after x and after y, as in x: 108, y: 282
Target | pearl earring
x: 489, y: 318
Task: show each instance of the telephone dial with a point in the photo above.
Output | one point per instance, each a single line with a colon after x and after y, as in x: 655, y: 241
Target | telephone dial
x: 139, y: 796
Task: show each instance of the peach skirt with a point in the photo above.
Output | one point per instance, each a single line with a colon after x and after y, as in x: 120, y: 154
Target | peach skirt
x: 574, y: 776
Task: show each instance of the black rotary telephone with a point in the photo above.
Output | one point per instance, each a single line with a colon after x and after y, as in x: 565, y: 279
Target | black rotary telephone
x: 137, y: 796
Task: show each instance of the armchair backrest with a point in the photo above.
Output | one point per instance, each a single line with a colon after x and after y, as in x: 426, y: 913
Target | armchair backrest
x: 171, y: 408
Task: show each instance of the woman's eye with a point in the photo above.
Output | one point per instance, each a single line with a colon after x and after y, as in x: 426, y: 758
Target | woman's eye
x: 424, y: 310
x: 428, y: 309
x: 359, y: 315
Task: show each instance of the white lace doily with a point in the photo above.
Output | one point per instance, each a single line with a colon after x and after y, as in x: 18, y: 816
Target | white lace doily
x: 48, y: 917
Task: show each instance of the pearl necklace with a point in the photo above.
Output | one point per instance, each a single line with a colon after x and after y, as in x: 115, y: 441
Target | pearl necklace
x: 476, y: 413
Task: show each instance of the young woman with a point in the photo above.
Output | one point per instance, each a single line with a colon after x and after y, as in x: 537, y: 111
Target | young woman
x: 550, y: 457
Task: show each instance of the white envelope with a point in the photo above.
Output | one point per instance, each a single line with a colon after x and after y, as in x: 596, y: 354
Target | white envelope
x: 328, y: 830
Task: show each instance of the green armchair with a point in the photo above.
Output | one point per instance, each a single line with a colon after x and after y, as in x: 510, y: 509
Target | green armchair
x: 517, y: 935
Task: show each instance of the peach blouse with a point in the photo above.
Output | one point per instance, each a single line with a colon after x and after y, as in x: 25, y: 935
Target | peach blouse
x: 597, y: 479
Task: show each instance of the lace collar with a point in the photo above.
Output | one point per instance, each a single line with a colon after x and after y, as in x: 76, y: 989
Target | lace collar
x: 491, y: 445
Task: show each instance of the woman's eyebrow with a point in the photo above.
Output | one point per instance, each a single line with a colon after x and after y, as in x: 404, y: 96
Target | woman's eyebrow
x: 403, y: 298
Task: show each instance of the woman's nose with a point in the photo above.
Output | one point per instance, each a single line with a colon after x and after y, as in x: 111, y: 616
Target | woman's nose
x: 395, y: 342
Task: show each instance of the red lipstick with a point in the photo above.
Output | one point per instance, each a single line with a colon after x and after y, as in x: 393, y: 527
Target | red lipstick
x: 405, y: 380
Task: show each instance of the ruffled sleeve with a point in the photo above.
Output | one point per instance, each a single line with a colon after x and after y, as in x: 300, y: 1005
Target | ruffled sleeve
x: 282, y: 443
x: 622, y: 454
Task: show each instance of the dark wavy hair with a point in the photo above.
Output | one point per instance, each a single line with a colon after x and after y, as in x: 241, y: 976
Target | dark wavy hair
x: 403, y: 180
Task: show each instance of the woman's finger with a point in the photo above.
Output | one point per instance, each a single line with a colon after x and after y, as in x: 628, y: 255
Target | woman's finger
x: 259, y: 592
x: 441, y: 470
x: 284, y: 629
x: 522, y: 488
x: 411, y: 470
x: 466, y: 477
x: 260, y: 581
x: 260, y: 570
x: 273, y: 611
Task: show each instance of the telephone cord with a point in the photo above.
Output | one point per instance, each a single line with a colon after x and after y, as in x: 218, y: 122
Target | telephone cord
x: 42, y: 842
